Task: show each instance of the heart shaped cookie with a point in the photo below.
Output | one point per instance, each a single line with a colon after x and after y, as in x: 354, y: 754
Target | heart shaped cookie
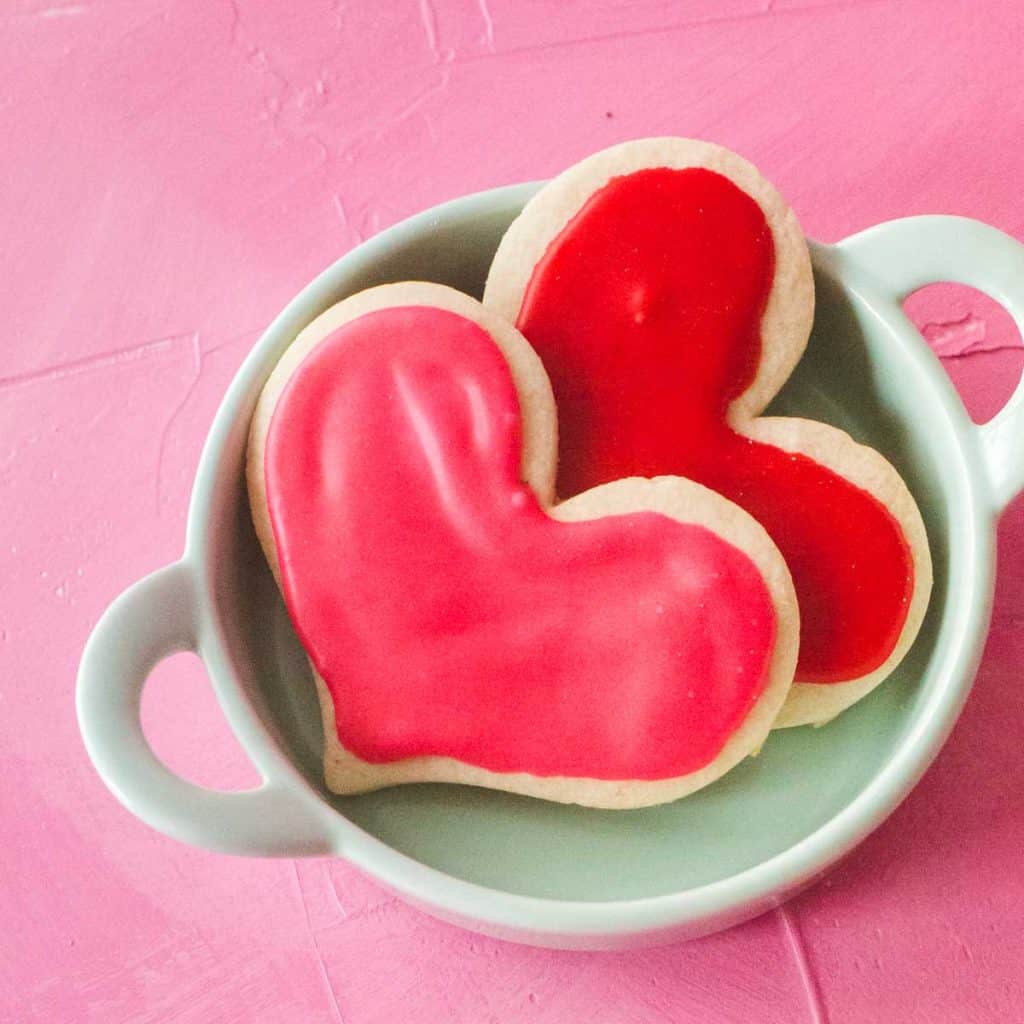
x: 667, y: 289
x: 620, y: 649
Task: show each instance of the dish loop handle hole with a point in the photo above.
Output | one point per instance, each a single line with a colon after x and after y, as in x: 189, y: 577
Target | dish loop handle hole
x: 154, y: 619
x: 976, y: 339
x: 981, y: 348
x: 187, y: 729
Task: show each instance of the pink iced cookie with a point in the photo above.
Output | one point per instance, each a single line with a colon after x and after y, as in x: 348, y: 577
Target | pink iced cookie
x: 620, y: 649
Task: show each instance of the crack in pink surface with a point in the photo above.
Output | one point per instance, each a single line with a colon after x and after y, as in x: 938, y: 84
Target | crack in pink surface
x: 977, y: 350
x: 333, y: 890
x: 288, y: 99
x: 428, y: 18
x: 317, y: 952
x: 199, y: 355
x: 374, y: 910
x: 370, y: 910
x: 654, y: 30
x: 288, y: 108
x: 62, y: 12
x: 89, y: 364
x: 116, y: 358
x: 488, y: 20
x: 956, y: 337
x: 371, y: 137
x: 711, y: 127
x: 415, y: 104
x: 339, y: 12
x: 197, y: 371
x: 236, y: 21
x: 346, y: 222
x: 812, y: 990
x: 964, y: 336
x: 232, y: 339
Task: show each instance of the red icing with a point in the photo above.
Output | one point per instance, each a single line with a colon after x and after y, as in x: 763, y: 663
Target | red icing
x: 646, y: 312
x: 450, y: 615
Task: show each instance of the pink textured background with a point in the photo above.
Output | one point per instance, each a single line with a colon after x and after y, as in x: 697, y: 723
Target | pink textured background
x: 173, y: 172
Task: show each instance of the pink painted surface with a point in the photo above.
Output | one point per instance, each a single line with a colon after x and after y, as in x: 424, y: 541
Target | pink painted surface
x: 172, y: 174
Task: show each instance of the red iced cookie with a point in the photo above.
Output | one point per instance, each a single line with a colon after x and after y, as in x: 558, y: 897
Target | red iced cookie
x: 667, y: 289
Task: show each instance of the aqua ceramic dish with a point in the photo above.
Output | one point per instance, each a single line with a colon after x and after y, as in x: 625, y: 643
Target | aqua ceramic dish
x: 546, y: 873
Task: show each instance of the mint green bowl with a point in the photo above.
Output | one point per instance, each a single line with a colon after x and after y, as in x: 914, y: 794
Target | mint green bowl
x: 545, y: 873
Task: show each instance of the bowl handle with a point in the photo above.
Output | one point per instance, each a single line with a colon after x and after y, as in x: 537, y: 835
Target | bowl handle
x: 151, y: 620
x: 901, y: 256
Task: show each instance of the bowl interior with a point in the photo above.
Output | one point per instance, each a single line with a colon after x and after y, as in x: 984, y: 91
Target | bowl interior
x: 854, y: 376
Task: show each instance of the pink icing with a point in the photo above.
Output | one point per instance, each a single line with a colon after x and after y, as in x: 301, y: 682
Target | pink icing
x: 448, y: 614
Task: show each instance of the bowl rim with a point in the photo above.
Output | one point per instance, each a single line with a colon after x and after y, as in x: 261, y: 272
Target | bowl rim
x: 740, y: 895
